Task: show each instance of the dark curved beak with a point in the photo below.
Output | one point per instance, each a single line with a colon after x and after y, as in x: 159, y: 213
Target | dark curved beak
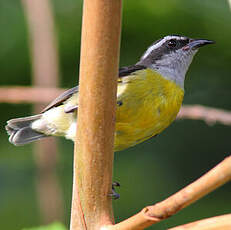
x: 197, y: 43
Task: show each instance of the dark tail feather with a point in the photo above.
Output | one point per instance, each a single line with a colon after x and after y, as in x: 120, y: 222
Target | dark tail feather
x: 20, y: 130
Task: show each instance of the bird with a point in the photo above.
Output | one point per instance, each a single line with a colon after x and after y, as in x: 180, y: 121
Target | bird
x: 149, y: 97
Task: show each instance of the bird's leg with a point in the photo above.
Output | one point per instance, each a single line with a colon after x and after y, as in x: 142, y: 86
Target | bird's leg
x: 114, y: 194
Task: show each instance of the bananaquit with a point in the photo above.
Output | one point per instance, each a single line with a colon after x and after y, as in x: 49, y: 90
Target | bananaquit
x: 149, y: 96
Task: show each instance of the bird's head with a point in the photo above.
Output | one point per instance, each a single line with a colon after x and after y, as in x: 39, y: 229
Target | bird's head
x: 172, y: 55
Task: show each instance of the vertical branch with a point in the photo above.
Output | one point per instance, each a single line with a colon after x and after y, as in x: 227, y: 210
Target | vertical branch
x: 45, y: 74
x: 93, y: 160
x: 43, y: 42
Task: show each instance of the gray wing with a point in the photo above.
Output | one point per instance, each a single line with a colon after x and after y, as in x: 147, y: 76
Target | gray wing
x: 63, y: 97
x: 124, y: 71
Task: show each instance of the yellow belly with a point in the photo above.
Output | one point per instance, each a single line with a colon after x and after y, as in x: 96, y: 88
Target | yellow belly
x: 147, y: 104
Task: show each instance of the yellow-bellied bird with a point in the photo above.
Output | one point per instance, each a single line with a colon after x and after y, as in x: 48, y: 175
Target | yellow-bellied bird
x: 149, y: 96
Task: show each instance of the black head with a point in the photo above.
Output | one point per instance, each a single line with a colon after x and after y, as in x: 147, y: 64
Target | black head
x: 172, y: 55
x: 172, y: 44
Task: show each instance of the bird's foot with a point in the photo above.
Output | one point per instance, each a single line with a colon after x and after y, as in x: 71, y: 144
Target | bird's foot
x: 114, y: 194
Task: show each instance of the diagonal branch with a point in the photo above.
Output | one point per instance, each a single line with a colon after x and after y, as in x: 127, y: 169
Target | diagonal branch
x: 153, y: 214
x: 214, y: 223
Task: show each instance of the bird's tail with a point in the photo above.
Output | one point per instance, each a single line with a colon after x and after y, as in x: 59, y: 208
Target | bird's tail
x: 20, y: 130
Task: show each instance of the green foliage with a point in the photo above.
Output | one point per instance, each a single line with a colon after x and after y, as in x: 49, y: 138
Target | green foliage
x: 53, y: 226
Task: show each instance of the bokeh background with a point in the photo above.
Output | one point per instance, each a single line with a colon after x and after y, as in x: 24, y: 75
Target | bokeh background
x: 152, y: 170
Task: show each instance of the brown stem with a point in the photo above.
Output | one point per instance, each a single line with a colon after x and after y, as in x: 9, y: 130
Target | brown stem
x: 216, y: 177
x: 27, y: 94
x: 214, y: 223
x: 20, y: 94
x: 43, y: 42
x: 49, y: 192
x: 93, y: 158
x: 45, y: 74
x: 207, y: 114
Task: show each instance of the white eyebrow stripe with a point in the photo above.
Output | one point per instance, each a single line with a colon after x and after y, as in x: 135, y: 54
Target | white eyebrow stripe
x: 160, y: 43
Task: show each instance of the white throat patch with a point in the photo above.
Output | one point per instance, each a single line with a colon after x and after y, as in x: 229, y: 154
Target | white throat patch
x: 174, y: 66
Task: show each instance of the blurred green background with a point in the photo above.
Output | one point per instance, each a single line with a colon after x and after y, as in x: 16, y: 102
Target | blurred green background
x: 153, y: 170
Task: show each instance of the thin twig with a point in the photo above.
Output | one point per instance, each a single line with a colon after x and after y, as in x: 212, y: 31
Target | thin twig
x: 24, y: 94
x: 207, y: 114
x: 150, y: 215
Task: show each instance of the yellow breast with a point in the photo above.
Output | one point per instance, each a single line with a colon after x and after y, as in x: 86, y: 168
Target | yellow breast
x: 147, y: 103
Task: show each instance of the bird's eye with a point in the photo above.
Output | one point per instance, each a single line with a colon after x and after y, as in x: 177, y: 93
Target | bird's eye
x: 172, y: 43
